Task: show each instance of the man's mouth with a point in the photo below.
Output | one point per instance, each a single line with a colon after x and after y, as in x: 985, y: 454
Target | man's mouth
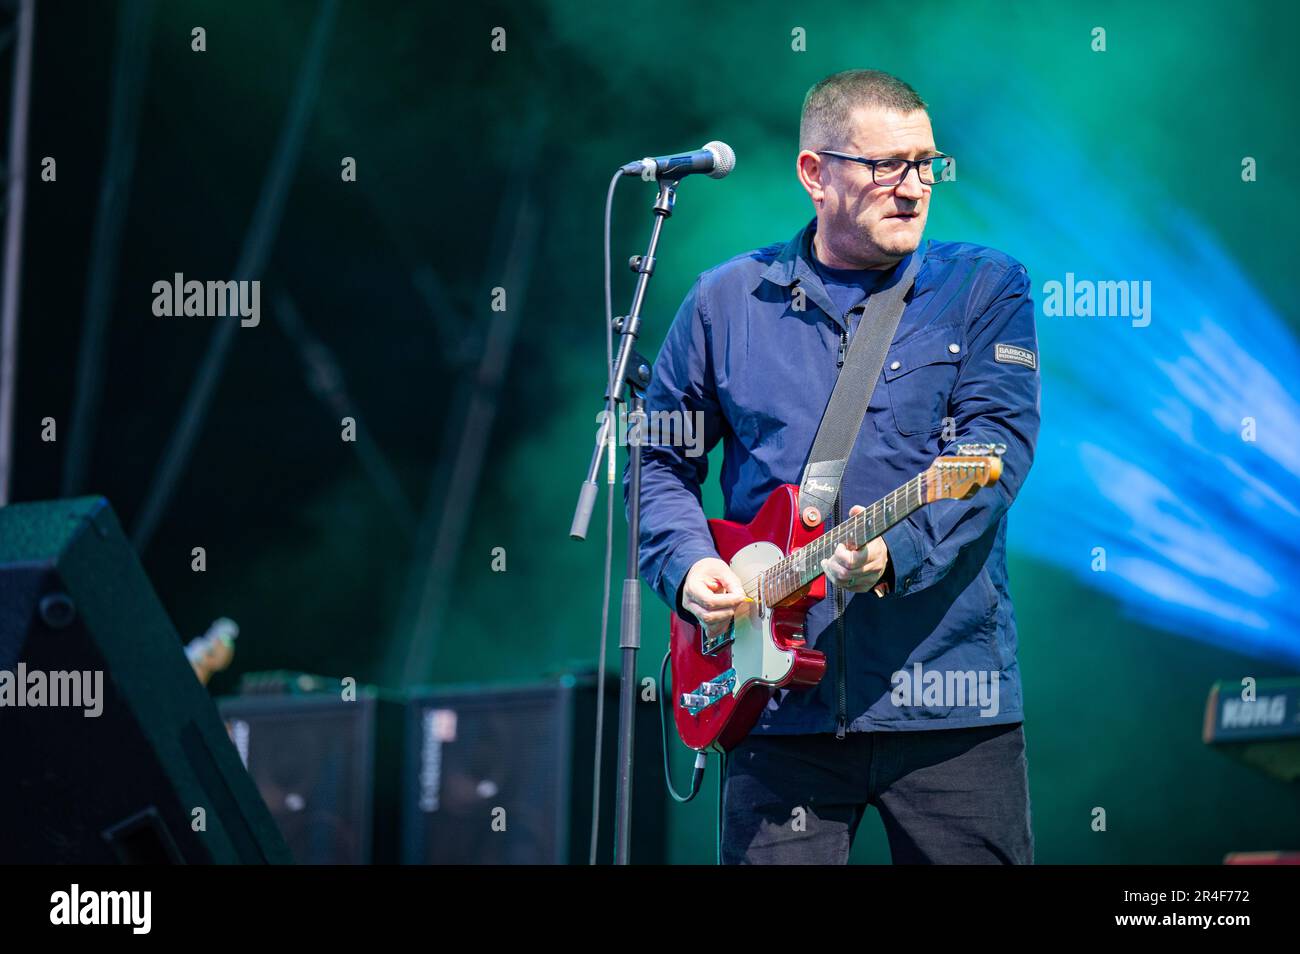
x: 902, y: 215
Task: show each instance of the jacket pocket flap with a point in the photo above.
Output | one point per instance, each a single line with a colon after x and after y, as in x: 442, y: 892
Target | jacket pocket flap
x: 931, y: 347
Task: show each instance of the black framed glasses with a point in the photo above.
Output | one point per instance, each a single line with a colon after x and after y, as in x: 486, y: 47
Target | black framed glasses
x: 889, y: 172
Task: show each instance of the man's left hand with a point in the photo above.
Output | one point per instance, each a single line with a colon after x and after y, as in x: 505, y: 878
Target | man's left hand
x: 859, y: 569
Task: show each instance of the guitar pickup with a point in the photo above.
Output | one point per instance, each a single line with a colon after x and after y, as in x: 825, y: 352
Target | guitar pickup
x: 711, y: 644
x: 709, y: 693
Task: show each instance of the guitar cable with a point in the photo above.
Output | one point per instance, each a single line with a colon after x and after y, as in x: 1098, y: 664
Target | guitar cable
x: 697, y: 776
x: 701, y: 760
x: 722, y: 780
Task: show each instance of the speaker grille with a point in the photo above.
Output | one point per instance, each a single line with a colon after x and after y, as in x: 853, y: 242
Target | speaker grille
x: 491, y: 778
x: 312, y: 759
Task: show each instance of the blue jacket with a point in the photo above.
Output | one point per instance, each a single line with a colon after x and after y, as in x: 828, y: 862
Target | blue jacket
x: 742, y: 359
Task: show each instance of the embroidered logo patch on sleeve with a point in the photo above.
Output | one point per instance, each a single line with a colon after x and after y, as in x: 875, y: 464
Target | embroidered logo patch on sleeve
x: 1010, y: 354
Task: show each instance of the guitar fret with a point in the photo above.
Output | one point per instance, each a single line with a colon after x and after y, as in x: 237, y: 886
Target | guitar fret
x: 797, y: 570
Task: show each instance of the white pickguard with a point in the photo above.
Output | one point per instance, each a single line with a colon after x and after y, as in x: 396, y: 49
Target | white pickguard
x: 754, y: 655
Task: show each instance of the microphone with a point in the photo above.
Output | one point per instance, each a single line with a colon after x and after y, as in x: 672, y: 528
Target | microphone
x: 715, y: 158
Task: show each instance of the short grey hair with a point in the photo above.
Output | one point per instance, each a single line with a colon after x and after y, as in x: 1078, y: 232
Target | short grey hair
x: 828, y: 107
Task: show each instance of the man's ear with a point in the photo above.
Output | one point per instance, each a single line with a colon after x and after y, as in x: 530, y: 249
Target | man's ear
x: 810, y: 169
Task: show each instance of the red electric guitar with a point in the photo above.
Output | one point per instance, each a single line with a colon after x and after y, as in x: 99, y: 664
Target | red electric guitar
x: 722, y: 683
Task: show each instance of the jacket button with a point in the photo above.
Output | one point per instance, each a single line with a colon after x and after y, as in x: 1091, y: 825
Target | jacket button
x: 895, y: 366
x: 954, y: 347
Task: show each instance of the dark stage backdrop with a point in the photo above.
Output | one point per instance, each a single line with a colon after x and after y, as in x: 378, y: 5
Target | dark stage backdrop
x: 1153, y: 549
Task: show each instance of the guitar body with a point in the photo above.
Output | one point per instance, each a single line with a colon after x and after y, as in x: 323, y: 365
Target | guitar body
x: 721, y: 684
x: 767, y: 649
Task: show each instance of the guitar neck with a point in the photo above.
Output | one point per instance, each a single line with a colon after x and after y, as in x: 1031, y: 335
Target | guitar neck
x: 803, y: 566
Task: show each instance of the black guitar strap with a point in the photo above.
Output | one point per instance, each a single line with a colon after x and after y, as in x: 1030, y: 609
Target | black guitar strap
x: 820, y: 485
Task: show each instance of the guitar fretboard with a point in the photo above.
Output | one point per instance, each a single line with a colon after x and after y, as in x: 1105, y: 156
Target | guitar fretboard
x: 803, y: 566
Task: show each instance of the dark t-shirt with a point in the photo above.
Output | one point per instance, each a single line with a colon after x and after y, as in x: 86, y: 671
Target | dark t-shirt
x: 848, y: 287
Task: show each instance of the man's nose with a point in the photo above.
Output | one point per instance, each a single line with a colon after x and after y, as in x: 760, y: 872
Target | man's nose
x: 911, y: 187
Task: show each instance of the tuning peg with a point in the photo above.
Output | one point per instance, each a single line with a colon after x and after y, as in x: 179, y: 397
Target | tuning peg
x: 981, y: 450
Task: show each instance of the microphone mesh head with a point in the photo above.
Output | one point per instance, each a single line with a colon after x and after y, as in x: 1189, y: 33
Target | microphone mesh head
x: 724, y: 158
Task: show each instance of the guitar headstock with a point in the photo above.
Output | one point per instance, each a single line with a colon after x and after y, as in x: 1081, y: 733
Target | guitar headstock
x: 959, y: 476
x: 214, y: 651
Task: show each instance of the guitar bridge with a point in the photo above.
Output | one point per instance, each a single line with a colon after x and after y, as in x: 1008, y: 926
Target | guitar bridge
x: 709, y: 693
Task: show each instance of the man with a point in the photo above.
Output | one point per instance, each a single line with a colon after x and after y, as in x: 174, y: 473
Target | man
x: 752, y: 356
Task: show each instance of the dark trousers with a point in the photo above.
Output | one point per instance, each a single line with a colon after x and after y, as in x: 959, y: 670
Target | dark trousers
x: 946, y: 796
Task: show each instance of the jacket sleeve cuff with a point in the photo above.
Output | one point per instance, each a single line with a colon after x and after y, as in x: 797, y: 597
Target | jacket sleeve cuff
x: 906, y: 553
x: 675, y: 570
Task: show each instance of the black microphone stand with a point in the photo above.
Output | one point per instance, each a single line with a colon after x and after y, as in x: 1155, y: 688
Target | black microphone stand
x: 630, y: 369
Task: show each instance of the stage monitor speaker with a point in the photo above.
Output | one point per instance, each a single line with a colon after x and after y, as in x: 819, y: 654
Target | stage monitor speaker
x: 503, y: 776
x: 112, y: 750
x: 327, y: 768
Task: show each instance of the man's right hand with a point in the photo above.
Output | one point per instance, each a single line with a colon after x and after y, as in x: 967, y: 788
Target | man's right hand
x: 711, y: 592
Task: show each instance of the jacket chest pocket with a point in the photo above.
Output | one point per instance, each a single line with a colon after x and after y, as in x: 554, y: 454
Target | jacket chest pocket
x: 921, y: 373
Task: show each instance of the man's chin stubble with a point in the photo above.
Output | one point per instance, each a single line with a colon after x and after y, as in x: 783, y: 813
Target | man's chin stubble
x: 894, y: 248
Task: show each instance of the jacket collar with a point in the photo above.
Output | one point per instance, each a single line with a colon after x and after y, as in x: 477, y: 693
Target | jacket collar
x: 793, y: 266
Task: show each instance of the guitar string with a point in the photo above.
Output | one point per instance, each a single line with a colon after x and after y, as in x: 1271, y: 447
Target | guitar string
x: 786, y: 563
x: 845, y: 529
x: 849, y: 528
